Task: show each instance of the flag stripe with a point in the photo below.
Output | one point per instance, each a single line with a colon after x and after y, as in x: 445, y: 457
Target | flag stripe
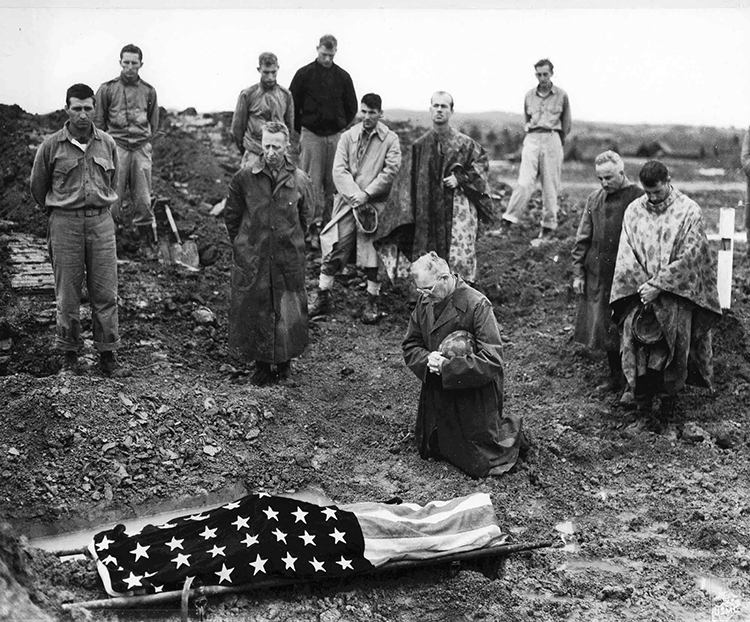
x: 410, y: 531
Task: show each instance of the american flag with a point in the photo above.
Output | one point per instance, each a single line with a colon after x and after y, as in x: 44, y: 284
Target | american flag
x: 252, y: 539
x: 260, y: 537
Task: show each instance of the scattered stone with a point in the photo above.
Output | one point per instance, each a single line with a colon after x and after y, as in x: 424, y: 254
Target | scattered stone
x: 693, y: 433
x: 724, y: 439
x: 203, y: 316
x: 252, y: 434
x: 616, y: 592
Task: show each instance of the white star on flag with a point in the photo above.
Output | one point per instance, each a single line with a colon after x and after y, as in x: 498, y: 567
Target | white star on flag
x: 330, y: 513
x: 232, y: 506
x: 280, y: 535
x: 140, y: 551
x: 338, y: 536
x: 104, y: 544
x: 249, y: 540
x: 308, y: 538
x: 224, y: 573
x: 166, y: 526
x: 217, y: 550
x: 241, y: 522
x: 208, y: 533
x: 271, y: 514
x: 158, y: 588
x: 132, y: 581
x: 299, y: 515
x: 109, y: 560
x: 259, y: 565
x: 181, y: 560
x: 263, y: 494
x: 317, y: 565
x: 345, y: 563
x: 174, y: 543
x: 198, y: 517
x: 289, y: 561
x: 148, y: 575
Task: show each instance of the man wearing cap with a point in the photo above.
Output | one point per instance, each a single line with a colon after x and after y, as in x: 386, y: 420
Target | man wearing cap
x: 324, y: 105
x: 367, y: 159
x: 126, y: 108
x: 665, y: 271
x: 438, y: 197
x: 258, y: 104
x: 548, y: 122
x: 73, y: 179
x: 594, y: 255
x: 460, y: 416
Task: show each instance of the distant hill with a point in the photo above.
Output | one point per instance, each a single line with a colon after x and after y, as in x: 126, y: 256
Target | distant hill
x: 502, y: 134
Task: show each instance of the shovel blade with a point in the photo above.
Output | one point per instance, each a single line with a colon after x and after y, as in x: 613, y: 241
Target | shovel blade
x: 190, y: 256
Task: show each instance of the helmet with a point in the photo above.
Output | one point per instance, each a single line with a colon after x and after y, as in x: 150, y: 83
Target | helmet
x: 458, y: 343
x: 367, y: 218
x: 646, y: 327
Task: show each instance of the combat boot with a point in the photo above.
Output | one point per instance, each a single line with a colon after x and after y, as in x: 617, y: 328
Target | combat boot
x: 108, y: 363
x: 263, y: 374
x: 321, y: 305
x: 370, y: 314
x: 147, y: 241
x: 70, y: 362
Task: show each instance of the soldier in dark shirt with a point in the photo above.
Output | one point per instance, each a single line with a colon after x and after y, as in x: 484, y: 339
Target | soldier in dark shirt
x: 325, y: 103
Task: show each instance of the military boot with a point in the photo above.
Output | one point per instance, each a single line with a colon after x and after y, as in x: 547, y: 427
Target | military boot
x: 321, y: 304
x: 370, y: 314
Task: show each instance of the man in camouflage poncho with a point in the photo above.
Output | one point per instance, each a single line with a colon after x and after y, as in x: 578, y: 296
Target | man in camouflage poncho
x: 438, y: 196
x: 664, y: 263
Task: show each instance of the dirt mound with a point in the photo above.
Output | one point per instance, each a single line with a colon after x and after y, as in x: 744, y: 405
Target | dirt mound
x: 649, y: 526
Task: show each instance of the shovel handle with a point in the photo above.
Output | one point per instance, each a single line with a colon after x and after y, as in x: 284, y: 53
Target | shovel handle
x: 168, y: 212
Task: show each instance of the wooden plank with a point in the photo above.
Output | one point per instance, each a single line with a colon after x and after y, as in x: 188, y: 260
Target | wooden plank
x: 31, y: 270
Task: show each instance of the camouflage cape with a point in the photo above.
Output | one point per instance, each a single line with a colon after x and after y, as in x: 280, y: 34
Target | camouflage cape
x: 419, y: 214
x: 666, y: 246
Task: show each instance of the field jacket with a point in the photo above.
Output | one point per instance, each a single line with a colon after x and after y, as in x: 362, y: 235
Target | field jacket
x: 127, y: 111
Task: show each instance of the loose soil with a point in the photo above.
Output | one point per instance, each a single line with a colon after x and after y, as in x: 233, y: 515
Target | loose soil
x: 646, y: 526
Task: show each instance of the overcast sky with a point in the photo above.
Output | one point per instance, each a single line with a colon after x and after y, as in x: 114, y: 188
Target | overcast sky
x: 680, y: 62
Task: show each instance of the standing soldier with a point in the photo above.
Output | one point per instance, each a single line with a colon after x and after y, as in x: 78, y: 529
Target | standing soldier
x: 258, y: 104
x: 438, y: 197
x: 266, y: 216
x: 548, y: 122
x: 126, y: 108
x: 367, y: 159
x: 594, y: 256
x: 324, y: 105
x: 73, y: 179
x: 664, y: 295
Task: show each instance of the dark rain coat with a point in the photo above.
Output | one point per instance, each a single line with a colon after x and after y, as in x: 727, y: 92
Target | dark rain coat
x: 460, y: 415
x: 594, y: 256
x: 266, y: 223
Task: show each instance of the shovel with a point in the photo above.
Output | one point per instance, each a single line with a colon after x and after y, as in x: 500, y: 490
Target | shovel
x: 174, y: 250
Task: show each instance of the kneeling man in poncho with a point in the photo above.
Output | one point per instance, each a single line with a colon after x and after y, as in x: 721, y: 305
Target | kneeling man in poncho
x: 664, y: 295
x: 460, y: 416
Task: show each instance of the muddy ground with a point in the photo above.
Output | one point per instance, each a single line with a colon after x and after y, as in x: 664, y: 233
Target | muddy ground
x: 646, y: 526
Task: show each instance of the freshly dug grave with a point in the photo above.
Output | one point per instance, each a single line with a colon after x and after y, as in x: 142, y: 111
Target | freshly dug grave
x: 655, y: 526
